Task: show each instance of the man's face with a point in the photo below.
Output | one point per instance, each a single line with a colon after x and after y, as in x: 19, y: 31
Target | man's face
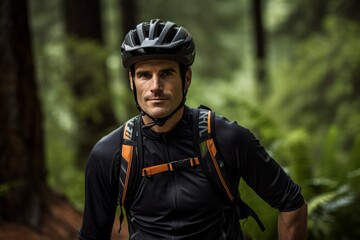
x: 159, y: 86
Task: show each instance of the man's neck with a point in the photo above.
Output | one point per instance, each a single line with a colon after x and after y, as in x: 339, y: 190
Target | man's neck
x: 169, y: 124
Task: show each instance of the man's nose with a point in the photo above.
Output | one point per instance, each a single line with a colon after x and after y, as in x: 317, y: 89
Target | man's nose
x: 156, y: 84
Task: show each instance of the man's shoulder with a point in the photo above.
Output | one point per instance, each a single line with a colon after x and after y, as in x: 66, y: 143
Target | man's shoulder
x: 111, y: 137
x: 224, y: 123
x: 230, y: 133
x: 108, y: 145
x: 111, y: 142
x: 225, y: 127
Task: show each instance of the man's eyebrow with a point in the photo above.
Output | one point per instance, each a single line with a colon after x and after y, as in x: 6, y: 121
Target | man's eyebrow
x: 139, y: 72
x: 169, y: 69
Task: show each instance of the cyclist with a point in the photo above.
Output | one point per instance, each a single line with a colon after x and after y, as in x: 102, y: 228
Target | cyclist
x: 179, y: 204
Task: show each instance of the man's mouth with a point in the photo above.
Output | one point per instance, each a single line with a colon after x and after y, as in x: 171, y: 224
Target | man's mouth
x: 156, y: 100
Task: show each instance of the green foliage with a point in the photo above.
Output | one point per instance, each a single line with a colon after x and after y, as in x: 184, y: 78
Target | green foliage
x: 316, y: 79
x: 332, y: 191
x: 60, y: 153
x: 317, y: 92
x: 293, y: 152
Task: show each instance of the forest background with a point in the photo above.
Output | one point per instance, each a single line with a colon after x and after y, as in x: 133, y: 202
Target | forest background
x: 288, y: 70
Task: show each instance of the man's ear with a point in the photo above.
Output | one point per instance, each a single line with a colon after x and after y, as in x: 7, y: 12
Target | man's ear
x: 131, y: 81
x: 188, y: 77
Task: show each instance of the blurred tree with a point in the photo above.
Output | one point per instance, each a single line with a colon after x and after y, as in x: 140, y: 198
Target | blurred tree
x: 259, y: 48
x: 129, y: 12
x: 26, y: 202
x: 22, y: 169
x: 88, y: 75
x: 83, y: 19
x: 128, y: 9
x: 307, y: 17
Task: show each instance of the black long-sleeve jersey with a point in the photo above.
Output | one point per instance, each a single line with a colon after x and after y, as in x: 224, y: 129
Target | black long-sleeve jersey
x: 181, y: 205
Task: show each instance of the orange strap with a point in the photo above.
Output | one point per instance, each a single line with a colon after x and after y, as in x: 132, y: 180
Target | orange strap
x: 171, y: 166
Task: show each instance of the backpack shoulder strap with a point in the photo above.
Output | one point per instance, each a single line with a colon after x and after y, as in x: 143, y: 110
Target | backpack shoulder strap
x: 214, y: 166
x: 130, y: 153
x: 127, y: 152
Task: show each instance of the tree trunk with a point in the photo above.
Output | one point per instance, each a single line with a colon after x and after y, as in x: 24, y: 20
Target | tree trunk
x: 83, y: 23
x: 260, y: 49
x: 83, y: 19
x: 22, y: 169
x: 128, y: 13
x: 128, y: 9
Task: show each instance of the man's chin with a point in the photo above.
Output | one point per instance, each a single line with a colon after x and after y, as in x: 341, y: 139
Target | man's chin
x: 159, y: 114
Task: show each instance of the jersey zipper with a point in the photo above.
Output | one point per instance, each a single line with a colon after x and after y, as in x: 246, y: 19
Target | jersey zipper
x: 172, y: 177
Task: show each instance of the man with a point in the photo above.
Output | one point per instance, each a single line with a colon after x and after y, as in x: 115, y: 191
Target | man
x: 179, y: 204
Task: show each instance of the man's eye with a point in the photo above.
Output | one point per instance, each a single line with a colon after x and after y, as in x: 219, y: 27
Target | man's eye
x: 166, y: 74
x: 144, y: 75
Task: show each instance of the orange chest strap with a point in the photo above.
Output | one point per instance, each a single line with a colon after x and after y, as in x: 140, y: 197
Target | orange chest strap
x: 171, y: 166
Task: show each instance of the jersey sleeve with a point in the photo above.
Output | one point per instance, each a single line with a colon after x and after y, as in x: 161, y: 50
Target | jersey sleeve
x: 256, y: 167
x: 101, y: 189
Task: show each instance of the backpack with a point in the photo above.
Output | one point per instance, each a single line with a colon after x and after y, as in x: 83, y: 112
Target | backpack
x: 131, y: 170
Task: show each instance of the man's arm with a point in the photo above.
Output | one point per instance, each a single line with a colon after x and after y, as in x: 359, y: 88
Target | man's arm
x: 292, y: 225
x: 101, y: 189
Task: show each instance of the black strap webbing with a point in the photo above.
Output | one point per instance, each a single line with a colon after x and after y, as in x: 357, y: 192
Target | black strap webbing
x: 171, y: 166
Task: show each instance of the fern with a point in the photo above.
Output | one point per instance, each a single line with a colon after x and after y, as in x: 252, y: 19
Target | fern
x: 326, y: 198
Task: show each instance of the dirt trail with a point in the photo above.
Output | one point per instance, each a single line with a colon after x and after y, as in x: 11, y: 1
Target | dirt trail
x: 61, y: 222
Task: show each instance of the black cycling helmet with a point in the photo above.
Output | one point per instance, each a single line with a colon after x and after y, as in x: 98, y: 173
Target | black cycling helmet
x: 158, y: 40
